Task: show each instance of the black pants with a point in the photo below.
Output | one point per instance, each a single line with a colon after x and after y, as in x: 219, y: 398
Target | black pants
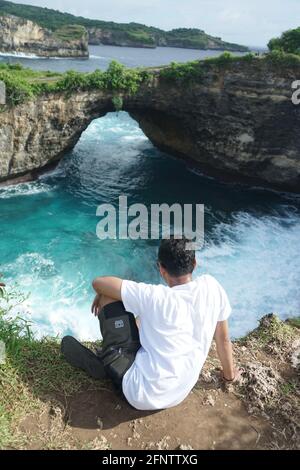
x: 119, y: 347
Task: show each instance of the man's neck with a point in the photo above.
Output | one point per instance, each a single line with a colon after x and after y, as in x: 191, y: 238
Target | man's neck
x: 179, y: 281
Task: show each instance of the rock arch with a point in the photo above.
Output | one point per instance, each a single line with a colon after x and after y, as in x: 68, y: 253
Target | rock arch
x: 237, y: 123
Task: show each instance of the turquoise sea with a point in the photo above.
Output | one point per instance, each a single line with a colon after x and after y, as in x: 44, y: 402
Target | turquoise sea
x: 48, y: 227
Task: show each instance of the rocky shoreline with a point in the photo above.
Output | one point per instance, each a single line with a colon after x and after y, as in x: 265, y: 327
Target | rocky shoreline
x: 18, y: 35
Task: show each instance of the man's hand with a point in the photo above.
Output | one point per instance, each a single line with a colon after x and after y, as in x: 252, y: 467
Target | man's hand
x: 235, y: 378
x: 96, y: 305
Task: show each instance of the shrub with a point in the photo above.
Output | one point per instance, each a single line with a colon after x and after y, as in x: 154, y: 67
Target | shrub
x: 18, y: 90
x: 281, y: 59
x: 13, y: 328
x: 118, y: 77
x: 182, y: 72
x: 72, y: 81
x: 288, y: 42
x: 118, y: 103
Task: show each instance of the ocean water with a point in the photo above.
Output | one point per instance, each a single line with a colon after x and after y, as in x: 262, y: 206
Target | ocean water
x: 49, y: 246
x: 101, y: 56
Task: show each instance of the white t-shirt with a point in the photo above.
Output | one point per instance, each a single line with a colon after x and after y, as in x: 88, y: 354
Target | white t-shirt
x: 177, y: 326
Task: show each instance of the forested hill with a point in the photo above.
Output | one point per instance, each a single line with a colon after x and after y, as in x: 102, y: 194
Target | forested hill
x: 109, y: 32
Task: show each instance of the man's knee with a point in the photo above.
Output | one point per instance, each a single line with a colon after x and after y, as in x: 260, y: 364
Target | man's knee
x: 66, y: 342
x: 107, y: 301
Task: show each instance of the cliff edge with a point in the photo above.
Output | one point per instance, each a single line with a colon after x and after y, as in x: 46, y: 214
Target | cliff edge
x: 19, y: 35
x: 46, y: 404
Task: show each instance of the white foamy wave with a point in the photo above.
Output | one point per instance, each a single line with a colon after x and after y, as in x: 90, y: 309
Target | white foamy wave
x: 24, y: 189
x: 256, y: 259
x: 64, y: 310
x: 134, y: 137
x: 98, y: 57
x: 60, y: 319
x: 30, y: 266
x: 21, y: 55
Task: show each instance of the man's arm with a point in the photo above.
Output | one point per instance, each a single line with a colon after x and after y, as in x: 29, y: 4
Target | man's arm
x: 224, y: 350
x: 108, y: 286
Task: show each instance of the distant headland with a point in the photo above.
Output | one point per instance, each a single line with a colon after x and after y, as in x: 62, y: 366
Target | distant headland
x: 46, y: 32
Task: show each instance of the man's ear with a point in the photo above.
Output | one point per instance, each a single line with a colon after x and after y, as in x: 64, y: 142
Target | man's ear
x: 195, y: 263
x: 161, y: 270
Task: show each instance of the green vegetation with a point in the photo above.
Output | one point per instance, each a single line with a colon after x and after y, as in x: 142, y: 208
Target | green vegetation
x: 282, y: 59
x: 23, y: 84
x: 118, y: 103
x: 295, y: 322
x: 141, y: 37
x: 273, y: 333
x: 194, y: 70
x: 32, y: 372
x: 288, y: 42
x: 70, y: 32
x: 198, y: 39
x: 131, y: 33
x: 289, y: 388
x: 182, y: 72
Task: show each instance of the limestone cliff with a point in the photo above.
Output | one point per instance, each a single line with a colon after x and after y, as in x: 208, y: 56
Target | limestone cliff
x: 24, y: 36
x: 119, y: 38
x: 236, y: 123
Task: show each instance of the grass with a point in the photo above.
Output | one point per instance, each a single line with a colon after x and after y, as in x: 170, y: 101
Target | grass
x: 295, y: 322
x: 33, y: 374
x: 70, y: 32
x: 273, y: 331
x: 36, y: 382
x: 288, y: 388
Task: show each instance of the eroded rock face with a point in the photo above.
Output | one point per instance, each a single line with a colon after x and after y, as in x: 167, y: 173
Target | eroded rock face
x: 36, y: 133
x: 21, y: 35
x: 237, y: 124
x: 115, y: 38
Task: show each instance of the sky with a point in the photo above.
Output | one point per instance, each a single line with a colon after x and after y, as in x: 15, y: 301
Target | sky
x: 249, y: 22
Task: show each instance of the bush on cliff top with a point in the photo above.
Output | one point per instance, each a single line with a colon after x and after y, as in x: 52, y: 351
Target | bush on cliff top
x: 282, y: 59
x: 288, y: 42
x: 194, y: 70
x: 22, y: 83
x: 18, y: 90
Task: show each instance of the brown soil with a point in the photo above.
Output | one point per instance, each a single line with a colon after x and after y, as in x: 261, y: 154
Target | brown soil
x: 261, y: 412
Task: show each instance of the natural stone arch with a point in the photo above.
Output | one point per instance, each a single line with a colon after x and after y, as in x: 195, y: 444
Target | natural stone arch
x: 236, y: 123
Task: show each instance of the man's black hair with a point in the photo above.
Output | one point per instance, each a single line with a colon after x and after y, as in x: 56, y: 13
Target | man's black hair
x: 175, y: 258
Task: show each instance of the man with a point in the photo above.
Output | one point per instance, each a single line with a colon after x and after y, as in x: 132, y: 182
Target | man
x: 158, y: 363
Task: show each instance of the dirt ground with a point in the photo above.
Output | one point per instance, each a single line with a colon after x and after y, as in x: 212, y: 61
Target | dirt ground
x: 205, y: 420
x: 261, y: 412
